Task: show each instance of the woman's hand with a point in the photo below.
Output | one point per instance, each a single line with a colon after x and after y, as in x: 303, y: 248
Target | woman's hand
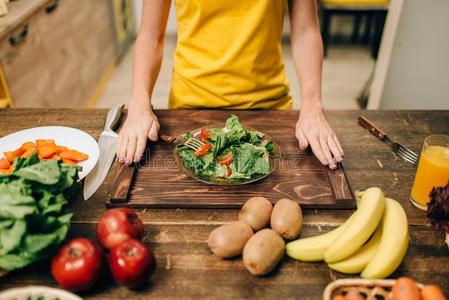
x: 312, y: 129
x: 141, y: 124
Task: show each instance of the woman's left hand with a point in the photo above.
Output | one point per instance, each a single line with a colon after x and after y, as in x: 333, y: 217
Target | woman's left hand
x: 312, y: 129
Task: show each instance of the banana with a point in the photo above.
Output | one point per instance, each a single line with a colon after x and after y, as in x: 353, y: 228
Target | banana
x: 362, y: 227
x: 358, y: 261
x: 393, y: 245
x: 313, y: 248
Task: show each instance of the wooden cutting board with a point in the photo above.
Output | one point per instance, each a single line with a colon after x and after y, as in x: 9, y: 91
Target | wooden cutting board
x: 157, y: 181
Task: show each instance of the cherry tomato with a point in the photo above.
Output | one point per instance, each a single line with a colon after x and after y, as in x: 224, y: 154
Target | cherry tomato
x: 118, y: 225
x: 77, y: 265
x: 131, y: 263
x: 203, y: 150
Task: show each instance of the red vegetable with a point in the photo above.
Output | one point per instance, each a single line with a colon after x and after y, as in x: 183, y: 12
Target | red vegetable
x: 205, y: 134
x: 131, y: 263
x: 227, y: 159
x: 78, y: 264
x: 203, y: 150
x: 118, y: 225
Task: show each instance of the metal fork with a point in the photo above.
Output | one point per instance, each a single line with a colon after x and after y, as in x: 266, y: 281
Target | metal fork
x: 403, y: 152
x: 191, y: 143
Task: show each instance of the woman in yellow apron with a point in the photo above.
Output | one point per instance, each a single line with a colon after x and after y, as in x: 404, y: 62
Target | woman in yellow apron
x: 228, y: 56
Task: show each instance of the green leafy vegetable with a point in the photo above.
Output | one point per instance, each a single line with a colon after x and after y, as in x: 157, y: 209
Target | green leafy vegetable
x: 249, y: 149
x: 32, y: 217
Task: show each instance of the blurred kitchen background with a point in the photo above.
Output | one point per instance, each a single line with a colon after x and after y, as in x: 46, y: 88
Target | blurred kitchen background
x: 380, y: 54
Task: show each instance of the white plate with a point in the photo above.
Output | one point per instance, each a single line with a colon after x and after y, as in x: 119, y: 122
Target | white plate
x: 23, y: 293
x: 64, y: 136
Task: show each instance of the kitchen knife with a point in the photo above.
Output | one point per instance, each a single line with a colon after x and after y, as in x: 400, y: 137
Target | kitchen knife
x: 107, y: 142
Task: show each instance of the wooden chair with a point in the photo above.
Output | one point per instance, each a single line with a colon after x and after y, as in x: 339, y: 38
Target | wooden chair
x: 370, y: 9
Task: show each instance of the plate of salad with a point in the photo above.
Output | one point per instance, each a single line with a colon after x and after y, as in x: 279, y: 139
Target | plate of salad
x: 232, y: 154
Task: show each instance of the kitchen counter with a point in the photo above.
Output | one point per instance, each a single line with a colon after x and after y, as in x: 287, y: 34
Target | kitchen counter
x: 187, y: 269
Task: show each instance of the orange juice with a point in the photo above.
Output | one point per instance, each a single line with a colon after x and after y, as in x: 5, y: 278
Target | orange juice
x: 433, y: 170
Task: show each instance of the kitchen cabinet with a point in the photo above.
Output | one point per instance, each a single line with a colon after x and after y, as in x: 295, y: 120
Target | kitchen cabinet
x: 58, y: 53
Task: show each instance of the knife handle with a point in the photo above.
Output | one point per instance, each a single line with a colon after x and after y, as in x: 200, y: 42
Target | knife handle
x: 113, y: 117
x: 371, y: 127
x: 122, y: 183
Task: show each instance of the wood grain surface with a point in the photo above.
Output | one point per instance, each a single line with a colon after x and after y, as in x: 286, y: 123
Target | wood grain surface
x: 299, y: 176
x: 186, y: 269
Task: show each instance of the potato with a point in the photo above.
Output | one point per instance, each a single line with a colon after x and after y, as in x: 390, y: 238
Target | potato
x: 354, y: 295
x: 263, y: 251
x: 405, y: 289
x: 286, y: 219
x: 228, y: 240
x: 256, y: 212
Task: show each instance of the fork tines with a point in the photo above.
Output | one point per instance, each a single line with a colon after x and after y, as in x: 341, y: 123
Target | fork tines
x: 407, y: 154
x: 193, y: 143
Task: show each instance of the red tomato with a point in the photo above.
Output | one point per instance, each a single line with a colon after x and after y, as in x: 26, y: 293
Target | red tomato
x: 205, y: 134
x: 118, y: 225
x: 227, y: 159
x: 131, y: 263
x: 228, y: 171
x: 203, y: 150
x: 78, y: 264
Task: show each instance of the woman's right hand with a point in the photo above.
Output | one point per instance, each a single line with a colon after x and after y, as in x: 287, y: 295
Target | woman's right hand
x: 141, y: 124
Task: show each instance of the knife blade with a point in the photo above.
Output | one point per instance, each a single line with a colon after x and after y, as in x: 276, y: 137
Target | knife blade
x: 107, y: 142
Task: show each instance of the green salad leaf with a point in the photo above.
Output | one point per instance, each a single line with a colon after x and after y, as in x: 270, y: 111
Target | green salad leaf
x: 235, y: 152
x: 33, y: 221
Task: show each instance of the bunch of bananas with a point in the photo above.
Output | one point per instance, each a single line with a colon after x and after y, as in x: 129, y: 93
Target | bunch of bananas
x: 373, y: 241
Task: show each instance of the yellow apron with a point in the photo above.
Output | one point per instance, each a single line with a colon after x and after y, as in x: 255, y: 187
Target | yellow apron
x: 229, y: 55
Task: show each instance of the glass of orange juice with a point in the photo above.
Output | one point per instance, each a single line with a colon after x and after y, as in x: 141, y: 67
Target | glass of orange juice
x: 433, y: 169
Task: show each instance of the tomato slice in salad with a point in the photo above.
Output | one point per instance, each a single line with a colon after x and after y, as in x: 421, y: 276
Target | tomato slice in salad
x: 205, y: 134
x: 203, y: 150
x: 228, y: 171
x: 226, y: 159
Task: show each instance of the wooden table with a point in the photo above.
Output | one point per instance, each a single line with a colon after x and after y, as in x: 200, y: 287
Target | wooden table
x: 186, y: 268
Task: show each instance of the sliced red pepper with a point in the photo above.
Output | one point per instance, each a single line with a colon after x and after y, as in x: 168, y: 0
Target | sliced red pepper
x: 203, y: 150
x: 228, y: 171
x: 205, y: 134
x: 227, y: 159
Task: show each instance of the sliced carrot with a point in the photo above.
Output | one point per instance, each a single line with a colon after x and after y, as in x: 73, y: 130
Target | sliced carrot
x: 10, y: 155
x: 55, y: 157
x: 28, y: 145
x: 68, y: 161
x: 6, y: 171
x: 28, y: 153
x: 42, y: 142
x: 46, y: 150
x: 60, y: 149
x: 4, y: 163
x: 73, y: 155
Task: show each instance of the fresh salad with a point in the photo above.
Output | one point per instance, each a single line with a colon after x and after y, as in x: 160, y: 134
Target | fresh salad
x: 231, y: 152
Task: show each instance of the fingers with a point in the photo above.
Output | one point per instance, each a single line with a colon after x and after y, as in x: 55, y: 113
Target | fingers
x: 326, y: 151
x: 303, y: 143
x: 141, y: 144
x: 152, y: 134
x: 121, y: 147
x: 316, y: 149
x: 334, y: 148
x: 131, y: 149
x: 337, y: 142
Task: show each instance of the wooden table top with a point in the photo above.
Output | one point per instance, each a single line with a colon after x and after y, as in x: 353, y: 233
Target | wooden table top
x: 187, y: 269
